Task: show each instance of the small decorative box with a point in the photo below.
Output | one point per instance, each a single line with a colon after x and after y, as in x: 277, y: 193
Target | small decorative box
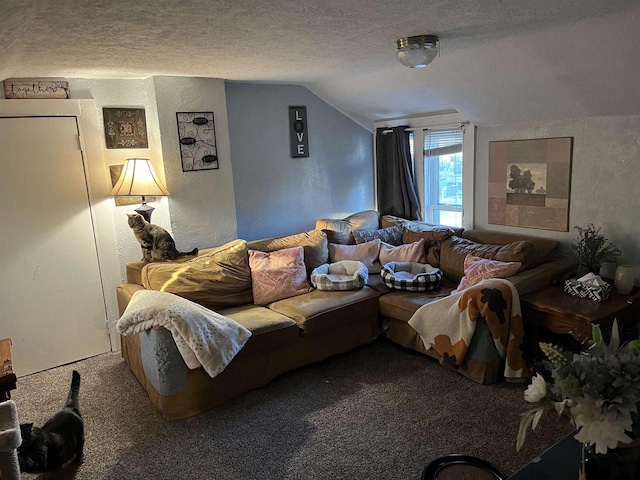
x: 582, y: 290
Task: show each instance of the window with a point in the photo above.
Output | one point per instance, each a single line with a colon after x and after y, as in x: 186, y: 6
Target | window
x: 443, y: 176
x: 443, y: 167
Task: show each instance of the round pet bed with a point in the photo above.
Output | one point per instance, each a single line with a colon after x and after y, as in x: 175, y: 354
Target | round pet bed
x: 411, y: 276
x: 342, y: 275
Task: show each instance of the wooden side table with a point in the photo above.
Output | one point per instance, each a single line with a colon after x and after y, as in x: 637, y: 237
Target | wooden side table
x: 565, y: 314
x: 9, y: 427
x: 7, y: 375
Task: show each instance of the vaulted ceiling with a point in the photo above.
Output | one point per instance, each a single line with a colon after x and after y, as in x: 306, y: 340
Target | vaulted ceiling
x: 500, y: 61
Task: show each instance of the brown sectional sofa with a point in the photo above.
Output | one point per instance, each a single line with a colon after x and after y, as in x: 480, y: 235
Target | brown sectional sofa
x: 296, y: 331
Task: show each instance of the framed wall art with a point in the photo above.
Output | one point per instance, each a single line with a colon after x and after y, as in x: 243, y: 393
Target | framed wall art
x: 125, y: 128
x: 197, y: 136
x: 530, y: 183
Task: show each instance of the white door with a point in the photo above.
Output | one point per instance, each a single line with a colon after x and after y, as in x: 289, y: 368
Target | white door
x: 51, y: 300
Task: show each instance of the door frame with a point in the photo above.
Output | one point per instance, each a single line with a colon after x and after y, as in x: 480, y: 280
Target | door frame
x: 98, y: 185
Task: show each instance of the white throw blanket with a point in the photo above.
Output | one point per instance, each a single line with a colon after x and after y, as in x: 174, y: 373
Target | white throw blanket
x: 203, y: 337
x: 448, y: 325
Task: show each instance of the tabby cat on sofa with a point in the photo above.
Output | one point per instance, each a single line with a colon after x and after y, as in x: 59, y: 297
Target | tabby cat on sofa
x: 59, y: 441
x: 157, y: 244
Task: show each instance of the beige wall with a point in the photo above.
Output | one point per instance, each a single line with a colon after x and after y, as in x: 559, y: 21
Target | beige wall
x: 135, y: 93
x: 605, y: 180
x: 201, y: 210
x: 202, y: 205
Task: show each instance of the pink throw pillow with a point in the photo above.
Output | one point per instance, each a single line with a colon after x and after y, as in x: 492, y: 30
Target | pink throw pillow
x: 277, y: 275
x: 366, y: 253
x: 477, y: 269
x: 410, y: 252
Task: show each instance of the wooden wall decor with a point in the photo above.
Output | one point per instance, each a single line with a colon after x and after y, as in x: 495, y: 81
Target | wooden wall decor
x: 35, y: 88
x: 530, y: 183
x: 125, y: 128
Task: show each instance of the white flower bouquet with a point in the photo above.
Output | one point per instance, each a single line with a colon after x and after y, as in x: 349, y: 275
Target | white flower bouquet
x: 599, y: 390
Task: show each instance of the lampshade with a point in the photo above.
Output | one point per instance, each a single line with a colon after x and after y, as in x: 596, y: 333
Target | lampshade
x: 418, y: 51
x: 138, y: 178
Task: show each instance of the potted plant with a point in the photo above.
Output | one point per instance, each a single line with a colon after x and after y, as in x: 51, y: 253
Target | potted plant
x: 590, y: 250
x: 599, y: 391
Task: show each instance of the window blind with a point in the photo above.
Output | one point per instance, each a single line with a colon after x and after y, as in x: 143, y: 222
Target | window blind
x: 442, y: 142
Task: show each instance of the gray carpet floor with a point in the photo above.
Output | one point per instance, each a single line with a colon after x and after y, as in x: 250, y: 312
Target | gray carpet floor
x: 379, y: 411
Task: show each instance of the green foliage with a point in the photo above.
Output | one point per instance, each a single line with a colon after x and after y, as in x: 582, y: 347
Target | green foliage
x: 599, y: 390
x: 591, y: 249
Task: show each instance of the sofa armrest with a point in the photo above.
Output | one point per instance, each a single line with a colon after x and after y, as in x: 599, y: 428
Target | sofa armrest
x: 534, y: 278
x: 124, y: 293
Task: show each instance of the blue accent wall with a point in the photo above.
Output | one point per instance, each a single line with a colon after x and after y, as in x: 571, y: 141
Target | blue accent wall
x: 278, y: 195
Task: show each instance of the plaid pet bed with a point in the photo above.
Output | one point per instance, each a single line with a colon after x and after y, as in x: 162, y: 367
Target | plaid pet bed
x: 411, y: 276
x: 343, y: 275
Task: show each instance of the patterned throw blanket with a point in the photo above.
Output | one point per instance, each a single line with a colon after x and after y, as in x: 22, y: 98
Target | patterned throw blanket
x: 204, y: 338
x: 448, y: 325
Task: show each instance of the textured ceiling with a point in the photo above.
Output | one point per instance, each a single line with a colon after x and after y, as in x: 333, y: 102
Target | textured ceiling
x: 500, y: 61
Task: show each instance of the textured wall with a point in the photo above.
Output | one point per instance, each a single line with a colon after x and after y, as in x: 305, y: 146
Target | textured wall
x: 134, y: 94
x: 276, y: 194
x: 605, y: 177
x: 203, y: 212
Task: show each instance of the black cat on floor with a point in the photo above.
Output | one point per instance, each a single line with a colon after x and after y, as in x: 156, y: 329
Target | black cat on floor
x: 59, y: 441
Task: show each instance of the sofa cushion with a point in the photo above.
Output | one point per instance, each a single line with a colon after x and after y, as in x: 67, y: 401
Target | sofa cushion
x: 454, y: 250
x: 341, y: 231
x: 430, y: 232
x: 366, y: 253
x: 314, y: 243
x: 400, y: 305
x: 257, y: 319
x: 134, y: 269
x: 411, y: 252
x: 391, y: 235
x: 340, y: 276
x: 220, y: 278
x: 269, y: 329
x: 477, y: 269
x: 277, y: 275
x: 319, y: 311
x: 546, y: 249
x: 376, y: 282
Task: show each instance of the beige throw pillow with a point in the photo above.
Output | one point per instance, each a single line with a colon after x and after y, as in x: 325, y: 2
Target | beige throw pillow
x: 366, y: 253
x: 412, y: 252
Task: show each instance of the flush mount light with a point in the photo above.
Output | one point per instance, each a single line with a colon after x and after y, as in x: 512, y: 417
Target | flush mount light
x: 417, y: 51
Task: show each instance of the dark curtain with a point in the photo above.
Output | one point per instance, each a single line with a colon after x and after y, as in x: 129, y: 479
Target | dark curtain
x: 396, y: 188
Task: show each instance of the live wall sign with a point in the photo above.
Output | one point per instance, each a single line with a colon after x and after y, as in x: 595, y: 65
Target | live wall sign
x: 298, y: 132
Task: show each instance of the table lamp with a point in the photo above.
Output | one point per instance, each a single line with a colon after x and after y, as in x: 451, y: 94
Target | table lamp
x: 138, y: 178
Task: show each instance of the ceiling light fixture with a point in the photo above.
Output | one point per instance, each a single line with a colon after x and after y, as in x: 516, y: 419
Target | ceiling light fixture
x: 418, y: 51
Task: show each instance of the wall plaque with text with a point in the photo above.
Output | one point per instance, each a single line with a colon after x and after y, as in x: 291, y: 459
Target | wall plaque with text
x: 298, y: 132
x: 35, y: 88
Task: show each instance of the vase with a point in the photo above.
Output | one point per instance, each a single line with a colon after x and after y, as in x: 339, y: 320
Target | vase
x: 621, y: 463
x: 625, y: 277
